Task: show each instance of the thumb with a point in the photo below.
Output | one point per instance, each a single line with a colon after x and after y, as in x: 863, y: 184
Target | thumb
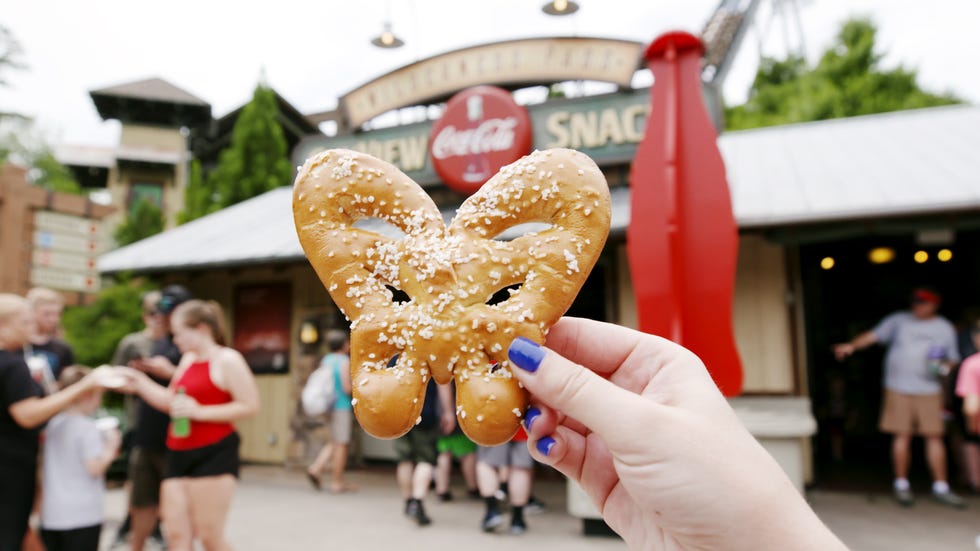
x: 572, y: 389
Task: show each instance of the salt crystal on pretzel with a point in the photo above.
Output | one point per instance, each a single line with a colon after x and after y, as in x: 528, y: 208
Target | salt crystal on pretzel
x: 446, y: 329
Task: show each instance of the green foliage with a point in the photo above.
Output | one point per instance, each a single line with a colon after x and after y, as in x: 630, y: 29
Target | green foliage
x: 848, y: 81
x: 10, y: 53
x: 48, y: 173
x: 143, y: 220
x: 256, y: 161
x: 198, y: 198
x: 94, y: 330
x: 19, y: 141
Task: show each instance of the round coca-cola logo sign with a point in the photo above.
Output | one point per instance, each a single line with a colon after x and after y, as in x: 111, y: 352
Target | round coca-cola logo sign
x: 481, y: 131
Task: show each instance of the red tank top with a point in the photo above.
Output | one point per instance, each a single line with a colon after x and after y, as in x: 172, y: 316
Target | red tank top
x: 196, y: 382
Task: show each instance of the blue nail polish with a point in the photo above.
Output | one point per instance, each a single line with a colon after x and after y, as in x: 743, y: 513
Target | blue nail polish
x: 530, y: 416
x: 544, y: 445
x: 525, y: 354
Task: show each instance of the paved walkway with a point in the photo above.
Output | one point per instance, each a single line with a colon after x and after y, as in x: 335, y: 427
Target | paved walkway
x: 276, y: 509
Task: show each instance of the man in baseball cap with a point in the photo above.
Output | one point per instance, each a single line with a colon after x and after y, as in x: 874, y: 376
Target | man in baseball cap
x: 921, y: 346
x: 172, y: 296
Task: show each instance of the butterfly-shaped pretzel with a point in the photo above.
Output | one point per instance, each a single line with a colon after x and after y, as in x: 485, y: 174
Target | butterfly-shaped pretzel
x: 446, y: 329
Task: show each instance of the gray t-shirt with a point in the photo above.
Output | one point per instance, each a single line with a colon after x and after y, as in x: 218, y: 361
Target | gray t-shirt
x: 909, y: 339
x: 71, y: 498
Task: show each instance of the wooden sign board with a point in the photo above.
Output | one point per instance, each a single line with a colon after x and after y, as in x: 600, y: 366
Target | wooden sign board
x: 65, y: 280
x: 65, y: 251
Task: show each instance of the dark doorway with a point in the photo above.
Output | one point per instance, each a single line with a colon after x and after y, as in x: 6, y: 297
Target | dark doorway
x: 850, y: 297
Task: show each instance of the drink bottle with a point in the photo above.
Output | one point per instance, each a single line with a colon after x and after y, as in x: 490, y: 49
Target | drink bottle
x: 180, y: 426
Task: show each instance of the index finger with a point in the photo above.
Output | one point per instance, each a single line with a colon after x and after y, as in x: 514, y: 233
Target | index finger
x: 604, y: 348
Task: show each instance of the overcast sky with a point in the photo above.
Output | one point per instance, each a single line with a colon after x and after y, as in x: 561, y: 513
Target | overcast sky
x: 312, y: 52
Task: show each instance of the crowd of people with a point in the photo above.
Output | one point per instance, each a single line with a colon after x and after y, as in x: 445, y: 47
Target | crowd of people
x: 177, y: 368
x: 425, y: 455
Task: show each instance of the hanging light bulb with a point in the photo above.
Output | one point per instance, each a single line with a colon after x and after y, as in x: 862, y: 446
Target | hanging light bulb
x: 387, y: 38
x: 560, y: 7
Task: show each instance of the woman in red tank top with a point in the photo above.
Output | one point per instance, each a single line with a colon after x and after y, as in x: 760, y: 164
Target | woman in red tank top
x: 212, y: 388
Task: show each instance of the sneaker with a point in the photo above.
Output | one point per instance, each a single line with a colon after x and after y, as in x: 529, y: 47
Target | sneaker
x: 534, y: 506
x: 447, y: 496
x: 416, y: 511
x: 474, y: 494
x: 904, y: 497
x: 501, y: 496
x: 517, y: 526
x: 158, y: 541
x: 121, y: 540
x: 949, y: 499
x: 491, y: 521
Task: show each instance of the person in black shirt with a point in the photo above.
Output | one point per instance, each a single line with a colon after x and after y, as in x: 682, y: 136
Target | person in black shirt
x: 23, y: 411
x: 45, y: 343
x: 146, y: 461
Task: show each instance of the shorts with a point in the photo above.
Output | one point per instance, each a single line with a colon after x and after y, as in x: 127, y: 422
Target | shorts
x: 457, y: 444
x: 76, y: 539
x: 211, y: 460
x: 920, y: 414
x: 341, y: 421
x: 513, y: 454
x: 145, y: 476
x: 418, y: 445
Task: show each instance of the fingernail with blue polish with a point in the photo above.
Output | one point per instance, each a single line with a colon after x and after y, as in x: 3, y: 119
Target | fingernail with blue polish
x: 526, y: 354
x: 545, y: 444
x: 530, y: 416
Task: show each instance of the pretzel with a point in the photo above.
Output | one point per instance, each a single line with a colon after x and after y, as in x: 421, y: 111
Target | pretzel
x: 447, y: 330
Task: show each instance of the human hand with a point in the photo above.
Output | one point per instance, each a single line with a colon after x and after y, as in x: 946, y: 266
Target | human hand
x: 447, y: 422
x: 133, y: 378
x: 843, y: 350
x: 106, y: 376
x: 113, y: 440
x: 156, y: 366
x: 183, y: 405
x: 655, y: 445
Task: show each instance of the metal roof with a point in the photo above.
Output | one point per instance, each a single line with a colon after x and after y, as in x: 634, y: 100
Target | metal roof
x: 905, y: 162
x: 155, y: 89
x: 909, y: 162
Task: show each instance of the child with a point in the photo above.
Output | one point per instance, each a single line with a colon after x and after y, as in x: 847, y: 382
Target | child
x: 76, y: 456
x: 968, y: 387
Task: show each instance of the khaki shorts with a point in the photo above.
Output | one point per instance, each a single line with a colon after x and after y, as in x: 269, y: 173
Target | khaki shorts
x: 920, y: 414
x: 508, y: 454
x: 145, y: 475
x: 340, y: 425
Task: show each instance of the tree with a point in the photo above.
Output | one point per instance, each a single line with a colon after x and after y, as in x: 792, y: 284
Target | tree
x: 94, y: 330
x: 48, y: 173
x: 198, y: 197
x: 20, y: 142
x: 847, y: 81
x: 143, y: 220
x: 255, y: 162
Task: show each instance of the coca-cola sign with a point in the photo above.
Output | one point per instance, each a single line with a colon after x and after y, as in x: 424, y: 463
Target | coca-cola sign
x: 482, y: 130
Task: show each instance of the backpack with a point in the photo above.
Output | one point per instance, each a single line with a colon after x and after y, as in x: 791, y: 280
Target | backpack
x: 319, y: 394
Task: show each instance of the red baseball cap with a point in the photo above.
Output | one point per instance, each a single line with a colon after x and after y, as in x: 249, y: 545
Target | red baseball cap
x: 926, y: 295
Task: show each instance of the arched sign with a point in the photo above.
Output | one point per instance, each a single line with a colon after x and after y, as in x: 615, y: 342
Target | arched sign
x: 507, y: 63
x: 482, y: 130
